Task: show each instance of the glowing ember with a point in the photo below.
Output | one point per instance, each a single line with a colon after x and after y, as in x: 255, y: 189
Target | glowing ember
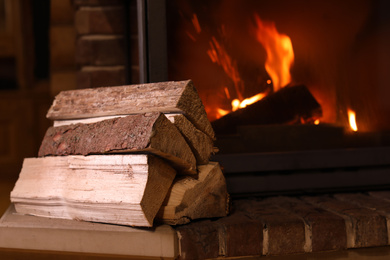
x: 236, y: 104
x: 280, y: 54
x: 352, y: 120
x: 221, y: 112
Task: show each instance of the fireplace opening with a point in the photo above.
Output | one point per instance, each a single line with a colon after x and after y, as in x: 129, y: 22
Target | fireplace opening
x: 340, y: 53
x: 337, y: 70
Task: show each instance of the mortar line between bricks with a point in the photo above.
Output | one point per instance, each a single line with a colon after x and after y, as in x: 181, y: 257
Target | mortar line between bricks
x: 105, y: 67
x: 388, y: 229
x: 179, y: 239
x: 100, y: 37
x: 222, y: 243
x: 351, y: 232
x: 308, y: 247
x: 265, y: 239
x: 100, y: 8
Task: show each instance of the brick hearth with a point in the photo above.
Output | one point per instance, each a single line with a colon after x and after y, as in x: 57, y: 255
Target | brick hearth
x: 291, y: 225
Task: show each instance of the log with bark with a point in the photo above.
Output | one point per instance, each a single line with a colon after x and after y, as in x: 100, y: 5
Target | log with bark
x: 150, y: 132
x: 287, y: 105
x: 117, y: 189
x: 178, y: 97
x: 201, y: 144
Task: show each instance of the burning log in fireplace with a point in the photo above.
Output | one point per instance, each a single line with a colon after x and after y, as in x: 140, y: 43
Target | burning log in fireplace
x: 288, y: 105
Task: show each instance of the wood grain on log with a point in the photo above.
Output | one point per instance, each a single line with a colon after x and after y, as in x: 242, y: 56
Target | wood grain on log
x: 116, y: 189
x: 201, y: 144
x: 165, y: 97
x: 150, y: 132
x: 190, y: 198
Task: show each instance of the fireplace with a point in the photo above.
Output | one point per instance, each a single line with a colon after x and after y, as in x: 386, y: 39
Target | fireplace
x: 340, y: 55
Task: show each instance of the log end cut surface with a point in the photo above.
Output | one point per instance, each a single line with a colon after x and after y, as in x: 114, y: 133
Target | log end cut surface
x: 189, y: 198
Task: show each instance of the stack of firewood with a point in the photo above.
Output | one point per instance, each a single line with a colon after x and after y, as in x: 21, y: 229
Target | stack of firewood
x: 129, y: 155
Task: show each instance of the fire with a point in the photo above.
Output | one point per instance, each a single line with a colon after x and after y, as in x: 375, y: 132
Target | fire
x: 280, y: 57
x: 280, y: 54
x: 222, y: 112
x: 352, y: 120
x: 236, y: 104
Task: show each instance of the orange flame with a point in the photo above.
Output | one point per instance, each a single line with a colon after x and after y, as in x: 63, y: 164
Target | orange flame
x: 196, y: 24
x: 352, y: 120
x: 237, y: 104
x: 280, y: 54
x: 219, y: 55
x: 221, y: 112
x: 280, y: 57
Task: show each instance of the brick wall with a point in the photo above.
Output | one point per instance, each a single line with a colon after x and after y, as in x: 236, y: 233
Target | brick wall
x: 62, y: 46
x: 102, y: 43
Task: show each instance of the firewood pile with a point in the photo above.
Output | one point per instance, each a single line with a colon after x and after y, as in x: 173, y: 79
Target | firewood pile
x: 131, y: 155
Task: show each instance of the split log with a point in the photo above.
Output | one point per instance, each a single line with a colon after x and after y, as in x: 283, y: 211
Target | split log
x: 150, y: 132
x: 116, y: 189
x: 189, y: 198
x: 202, y: 145
x: 166, y: 97
x: 284, y: 106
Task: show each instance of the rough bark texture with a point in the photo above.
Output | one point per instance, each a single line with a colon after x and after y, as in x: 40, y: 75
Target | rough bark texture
x: 165, y: 97
x: 143, y: 132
